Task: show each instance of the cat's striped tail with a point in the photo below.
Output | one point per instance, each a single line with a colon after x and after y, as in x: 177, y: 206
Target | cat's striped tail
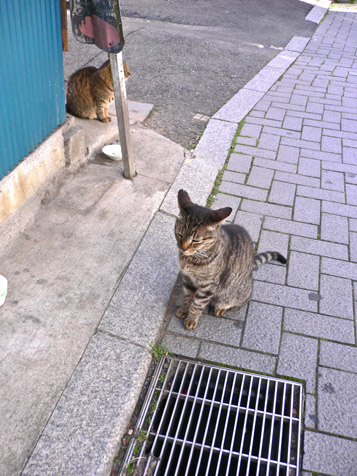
x: 262, y: 258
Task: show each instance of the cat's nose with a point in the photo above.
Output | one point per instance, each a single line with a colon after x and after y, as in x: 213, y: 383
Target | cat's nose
x: 185, y: 245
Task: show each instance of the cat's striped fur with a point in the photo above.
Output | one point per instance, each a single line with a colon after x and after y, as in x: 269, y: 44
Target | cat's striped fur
x: 216, y: 260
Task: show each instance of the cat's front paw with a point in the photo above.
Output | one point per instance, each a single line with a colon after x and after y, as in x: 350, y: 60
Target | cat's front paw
x: 105, y: 119
x: 191, y: 324
x: 181, y: 313
x: 219, y: 312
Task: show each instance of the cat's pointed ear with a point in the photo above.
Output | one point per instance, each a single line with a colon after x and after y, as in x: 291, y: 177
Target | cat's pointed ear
x: 184, y: 200
x: 219, y: 216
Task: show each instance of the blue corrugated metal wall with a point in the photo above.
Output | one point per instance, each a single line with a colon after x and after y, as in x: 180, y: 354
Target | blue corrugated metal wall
x: 32, y: 102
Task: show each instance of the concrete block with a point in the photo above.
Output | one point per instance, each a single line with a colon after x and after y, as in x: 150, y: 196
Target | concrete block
x: 286, y: 58
x: 353, y: 246
x: 331, y: 116
x: 260, y: 177
x: 339, y: 209
x: 243, y: 191
x: 311, y: 134
x: 297, y: 43
x: 336, y: 296
x: 307, y: 210
x: 269, y: 141
x: 299, y: 99
x: 266, y: 209
x: 262, y: 105
x: 293, y: 123
x: 247, y: 141
x: 263, y: 121
x: 290, y: 227
x: 332, y: 180
x: 335, y: 267
x: 242, y: 359
x: 288, y: 154
x: 314, y: 107
x: 284, y: 295
x: 235, y: 177
x: 304, y: 270
x: 252, y: 222
x: 266, y: 77
x: 337, y: 408
x: 310, y: 411
x: 153, y: 270
x: 331, y: 144
x: 329, y: 454
x: 75, y: 147
x: 334, y: 228
x: 309, y: 167
x: 179, y: 345
x: 298, y: 179
x: 351, y: 192
x: 320, y: 194
x: 273, y: 241
x: 319, y: 325
x: 338, y: 356
x: 281, y: 132
x: 282, y: 193
x: 251, y: 130
x: 275, y: 113
x: 262, y: 328
x: 239, y: 105
x: 349, y: 155
x: 271, y: 273
x: 319, y: 247
x: 215, y: 143
x: 297, y: 358
x: 275, y: 165
x: 255, y: 151
x: 84, y: 432
x: 318, y: 155
x: 195, y: 176
x: 239, y: 163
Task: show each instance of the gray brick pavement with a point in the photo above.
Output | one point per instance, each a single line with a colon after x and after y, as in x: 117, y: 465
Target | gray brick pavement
x: 304, y: 270
x: 297, y: 358
x: 292, y: 181
x: 262, y: 328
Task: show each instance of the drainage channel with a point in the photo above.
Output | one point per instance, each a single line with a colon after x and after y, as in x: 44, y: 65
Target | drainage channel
x: 204, y: 420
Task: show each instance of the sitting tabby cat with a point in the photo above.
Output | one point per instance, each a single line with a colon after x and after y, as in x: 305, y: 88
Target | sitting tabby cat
x: 216, y: 261
x: 90, y: 90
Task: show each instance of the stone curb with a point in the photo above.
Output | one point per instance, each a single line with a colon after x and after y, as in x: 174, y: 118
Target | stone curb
x: 317, y: 14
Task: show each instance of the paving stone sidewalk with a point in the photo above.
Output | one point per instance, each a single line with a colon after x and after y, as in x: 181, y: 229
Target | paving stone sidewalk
x: 292, y: 182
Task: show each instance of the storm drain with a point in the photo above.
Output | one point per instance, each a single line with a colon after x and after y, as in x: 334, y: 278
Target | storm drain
x: 203, y: 420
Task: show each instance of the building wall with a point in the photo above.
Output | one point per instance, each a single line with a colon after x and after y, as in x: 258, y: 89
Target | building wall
x: 32, y: 100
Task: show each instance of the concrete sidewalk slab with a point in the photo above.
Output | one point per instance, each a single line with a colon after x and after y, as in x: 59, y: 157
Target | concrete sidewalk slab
x: 62, y: 274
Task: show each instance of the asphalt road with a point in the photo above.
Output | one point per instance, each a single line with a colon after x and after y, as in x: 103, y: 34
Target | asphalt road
x: 189, y: 57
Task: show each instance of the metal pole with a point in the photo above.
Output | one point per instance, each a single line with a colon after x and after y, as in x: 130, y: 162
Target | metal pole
x: 121, y: 106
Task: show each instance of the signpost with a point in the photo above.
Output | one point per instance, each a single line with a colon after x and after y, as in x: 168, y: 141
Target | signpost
x: 99, y: 22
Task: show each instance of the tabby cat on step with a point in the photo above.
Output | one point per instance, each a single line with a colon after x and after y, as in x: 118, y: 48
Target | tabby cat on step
x: 216, y: 261
x: 90, y: 91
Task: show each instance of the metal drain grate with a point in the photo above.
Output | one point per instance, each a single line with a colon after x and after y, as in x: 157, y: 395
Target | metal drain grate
x: 203, y: 420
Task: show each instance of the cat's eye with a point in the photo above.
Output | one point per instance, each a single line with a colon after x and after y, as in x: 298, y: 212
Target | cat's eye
x: 196, y: 241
